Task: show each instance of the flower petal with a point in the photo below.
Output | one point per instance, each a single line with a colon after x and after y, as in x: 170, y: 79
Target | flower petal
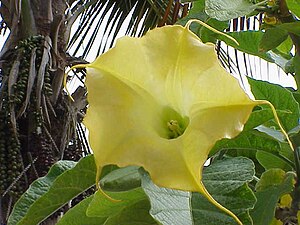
x: 125, y: 129
x: 174, y: 66
x: 136, y: 88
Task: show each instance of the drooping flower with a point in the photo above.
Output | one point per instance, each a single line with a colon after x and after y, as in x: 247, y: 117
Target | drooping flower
x: 161, y: 102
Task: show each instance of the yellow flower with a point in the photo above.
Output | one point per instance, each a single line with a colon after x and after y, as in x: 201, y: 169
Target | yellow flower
x: 161, y: 102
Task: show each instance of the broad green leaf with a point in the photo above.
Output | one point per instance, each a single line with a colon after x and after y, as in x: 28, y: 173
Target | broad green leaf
x: 248, y: 42
x: 249, y: 140
x: 294, y: 6
x: 132, y: 209
x: 135, y: 214
x: 272, y: 38
x: 37, y: 189
x: 101, y: 206
x: 282, y: 99
x: 77, y: 215
x: 258, y: 117
x: 272, y: 185
x: 293, y: 27
x: 122, y: 179
x: 248, y: 143
x: 49, y: 193
x: 169, y: 116
x: 226, y: 180
x: 240, y: 201
x: 226, y: 175
x: 269, y: 161
x: 275, y: 178
x: 168, y: 206
x: 228, y: 9
x: 285, y: 151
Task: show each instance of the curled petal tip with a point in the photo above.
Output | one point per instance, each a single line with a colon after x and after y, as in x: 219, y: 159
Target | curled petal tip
x: 107, y: 196
x: 203, y: 190
x: 211, y: 28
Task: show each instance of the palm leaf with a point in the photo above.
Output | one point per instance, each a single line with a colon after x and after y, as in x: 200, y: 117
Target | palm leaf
x: 241, y: 64
x: 101, y: 21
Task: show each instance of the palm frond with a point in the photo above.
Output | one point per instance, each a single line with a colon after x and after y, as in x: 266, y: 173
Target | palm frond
x: 100, y: 22
x: 241, y: 64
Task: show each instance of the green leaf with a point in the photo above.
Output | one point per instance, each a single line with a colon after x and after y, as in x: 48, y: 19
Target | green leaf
x: 258, y: 117
x: 225, y: 180
x: 282, y: 99
x: 122, y: 179
x: 269, y: 161
x: 135, y: 214
x: 275, y: 178
x: 228, y: 9
x: 77, y: 215
x: 170, y: 207
x: 293, y: 27
x: 272, y: 185
x: 226, y: 175
x: 101, y: 206
x: 249, y: 43
x: 133, y: 209
x: 248, y: 143
x: 294, y: 6
x: 272, y: 38
x: 240, y: 200
x: 49, y: 193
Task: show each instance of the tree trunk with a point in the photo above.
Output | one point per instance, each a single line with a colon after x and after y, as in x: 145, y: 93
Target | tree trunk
x: 38, y: 119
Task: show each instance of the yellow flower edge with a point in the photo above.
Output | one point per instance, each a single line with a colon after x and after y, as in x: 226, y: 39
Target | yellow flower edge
x: 161, y: 102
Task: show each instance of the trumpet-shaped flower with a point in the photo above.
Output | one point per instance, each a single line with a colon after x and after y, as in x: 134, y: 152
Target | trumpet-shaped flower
x: 161, y: 102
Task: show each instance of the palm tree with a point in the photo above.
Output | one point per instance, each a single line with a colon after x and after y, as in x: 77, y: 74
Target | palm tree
x: 39, y: 124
